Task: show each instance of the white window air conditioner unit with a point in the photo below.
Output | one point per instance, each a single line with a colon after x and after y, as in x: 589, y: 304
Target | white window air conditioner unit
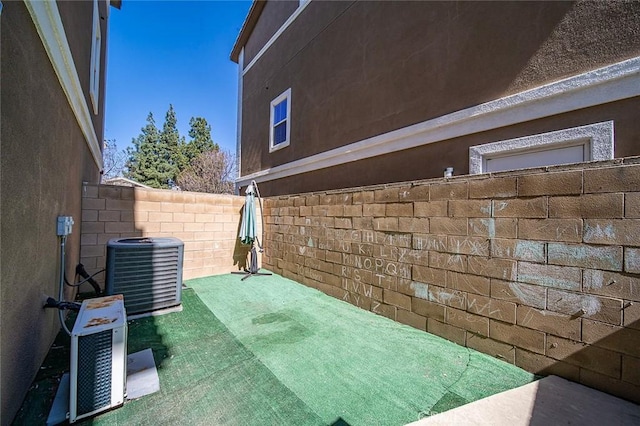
x: 146, y: 271
x: 98, y: 368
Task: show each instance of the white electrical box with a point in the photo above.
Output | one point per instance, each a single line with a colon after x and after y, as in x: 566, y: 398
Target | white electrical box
x: 98, y: 357
x: 65, y: 225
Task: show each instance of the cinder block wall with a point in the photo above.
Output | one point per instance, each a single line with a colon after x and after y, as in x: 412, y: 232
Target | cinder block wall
x: 540, y: 268
x: 208, y: 224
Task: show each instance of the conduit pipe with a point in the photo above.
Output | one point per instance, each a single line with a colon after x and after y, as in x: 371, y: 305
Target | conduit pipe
x: 63, y: 240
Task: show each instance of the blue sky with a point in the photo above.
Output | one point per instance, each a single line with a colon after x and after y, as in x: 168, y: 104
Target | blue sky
x: 173, y: 52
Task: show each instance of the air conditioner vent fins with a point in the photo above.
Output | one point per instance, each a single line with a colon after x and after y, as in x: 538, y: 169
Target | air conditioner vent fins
x: 147, y: 271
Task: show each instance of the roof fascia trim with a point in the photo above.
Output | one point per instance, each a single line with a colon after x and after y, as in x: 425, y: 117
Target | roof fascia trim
x: 46, y: 18
x: 247, y: 28
x: 277, y: 35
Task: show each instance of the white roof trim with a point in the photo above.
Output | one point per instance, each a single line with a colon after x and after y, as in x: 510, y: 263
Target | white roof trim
x: 611, y: 83
x: 239, y: 114
x: 46, y: 17
x: 275, y: 37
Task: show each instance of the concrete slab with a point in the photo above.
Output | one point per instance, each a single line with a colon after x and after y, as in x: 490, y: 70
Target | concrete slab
x: 60, y: 408
x: 142, y: 375
x: 549, y: 401
x: 142, y: 379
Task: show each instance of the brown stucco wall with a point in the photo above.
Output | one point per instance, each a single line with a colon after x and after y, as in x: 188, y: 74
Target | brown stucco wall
x: 430, y: 160
x: 44, y: 161
x: 540, y: 268
x: 274, y: 14
x: 357, y: 70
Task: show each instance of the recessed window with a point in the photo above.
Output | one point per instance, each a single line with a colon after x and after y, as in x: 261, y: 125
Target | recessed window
x: 96, y: 41
x: 280, y: 121
x: 575, y: 145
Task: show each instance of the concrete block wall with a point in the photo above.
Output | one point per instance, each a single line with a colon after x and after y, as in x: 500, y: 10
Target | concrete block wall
x: 540, y: 268
x: 208, y: 224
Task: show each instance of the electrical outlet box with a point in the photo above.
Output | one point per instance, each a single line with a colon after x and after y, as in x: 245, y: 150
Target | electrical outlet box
x: 65, y: 223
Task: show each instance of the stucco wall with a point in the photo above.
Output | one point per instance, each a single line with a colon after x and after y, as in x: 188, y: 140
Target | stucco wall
x: 274, y: 14
x: 44, y: 161
x: 432, y: 159
x: 362, y: 69
x: 540, y: 267
x: 208, y: 224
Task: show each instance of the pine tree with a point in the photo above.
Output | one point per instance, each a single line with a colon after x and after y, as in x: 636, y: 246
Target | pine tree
x: 149, y: 159
x: 159, y: 158
x: 200, y: 134
x: 170, y: 137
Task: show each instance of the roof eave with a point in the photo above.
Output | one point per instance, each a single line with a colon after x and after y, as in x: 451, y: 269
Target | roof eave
x: 247, y: 27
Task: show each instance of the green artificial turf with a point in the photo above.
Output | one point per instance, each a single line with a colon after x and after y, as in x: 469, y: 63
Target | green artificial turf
x: 350, y: 364
x: 269, y: 351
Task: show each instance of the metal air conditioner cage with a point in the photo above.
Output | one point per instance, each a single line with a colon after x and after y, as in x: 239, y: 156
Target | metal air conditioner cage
x: 147, y: 271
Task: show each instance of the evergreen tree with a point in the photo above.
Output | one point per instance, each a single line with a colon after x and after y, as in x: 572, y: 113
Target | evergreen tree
x: 201, y: 142
x: 148, y: 161
x: 159, y: 158
x: 170, y: 138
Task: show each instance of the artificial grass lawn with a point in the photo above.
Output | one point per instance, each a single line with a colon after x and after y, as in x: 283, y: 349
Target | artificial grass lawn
x: 269, y: 351
x: 347, y: 363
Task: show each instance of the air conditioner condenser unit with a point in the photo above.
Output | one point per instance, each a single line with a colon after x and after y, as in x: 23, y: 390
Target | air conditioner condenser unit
x: 98, y: 368
x: 146, y: 271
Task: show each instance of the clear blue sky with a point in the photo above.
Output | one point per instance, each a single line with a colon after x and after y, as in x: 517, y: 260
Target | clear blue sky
x: 173, y: 52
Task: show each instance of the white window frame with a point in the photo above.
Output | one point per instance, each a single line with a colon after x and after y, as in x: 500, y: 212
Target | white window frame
x: 96, y: 45
x: 597, y: 140
x: 284, y: 95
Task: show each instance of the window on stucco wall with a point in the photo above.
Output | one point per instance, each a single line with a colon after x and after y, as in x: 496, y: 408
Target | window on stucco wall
x: 280, y: 121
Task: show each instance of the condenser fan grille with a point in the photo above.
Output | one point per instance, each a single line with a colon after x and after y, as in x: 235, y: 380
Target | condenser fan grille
x: 147, y: 272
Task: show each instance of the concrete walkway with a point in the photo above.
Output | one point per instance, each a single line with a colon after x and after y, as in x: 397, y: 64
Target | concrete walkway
x: 549, y: 401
